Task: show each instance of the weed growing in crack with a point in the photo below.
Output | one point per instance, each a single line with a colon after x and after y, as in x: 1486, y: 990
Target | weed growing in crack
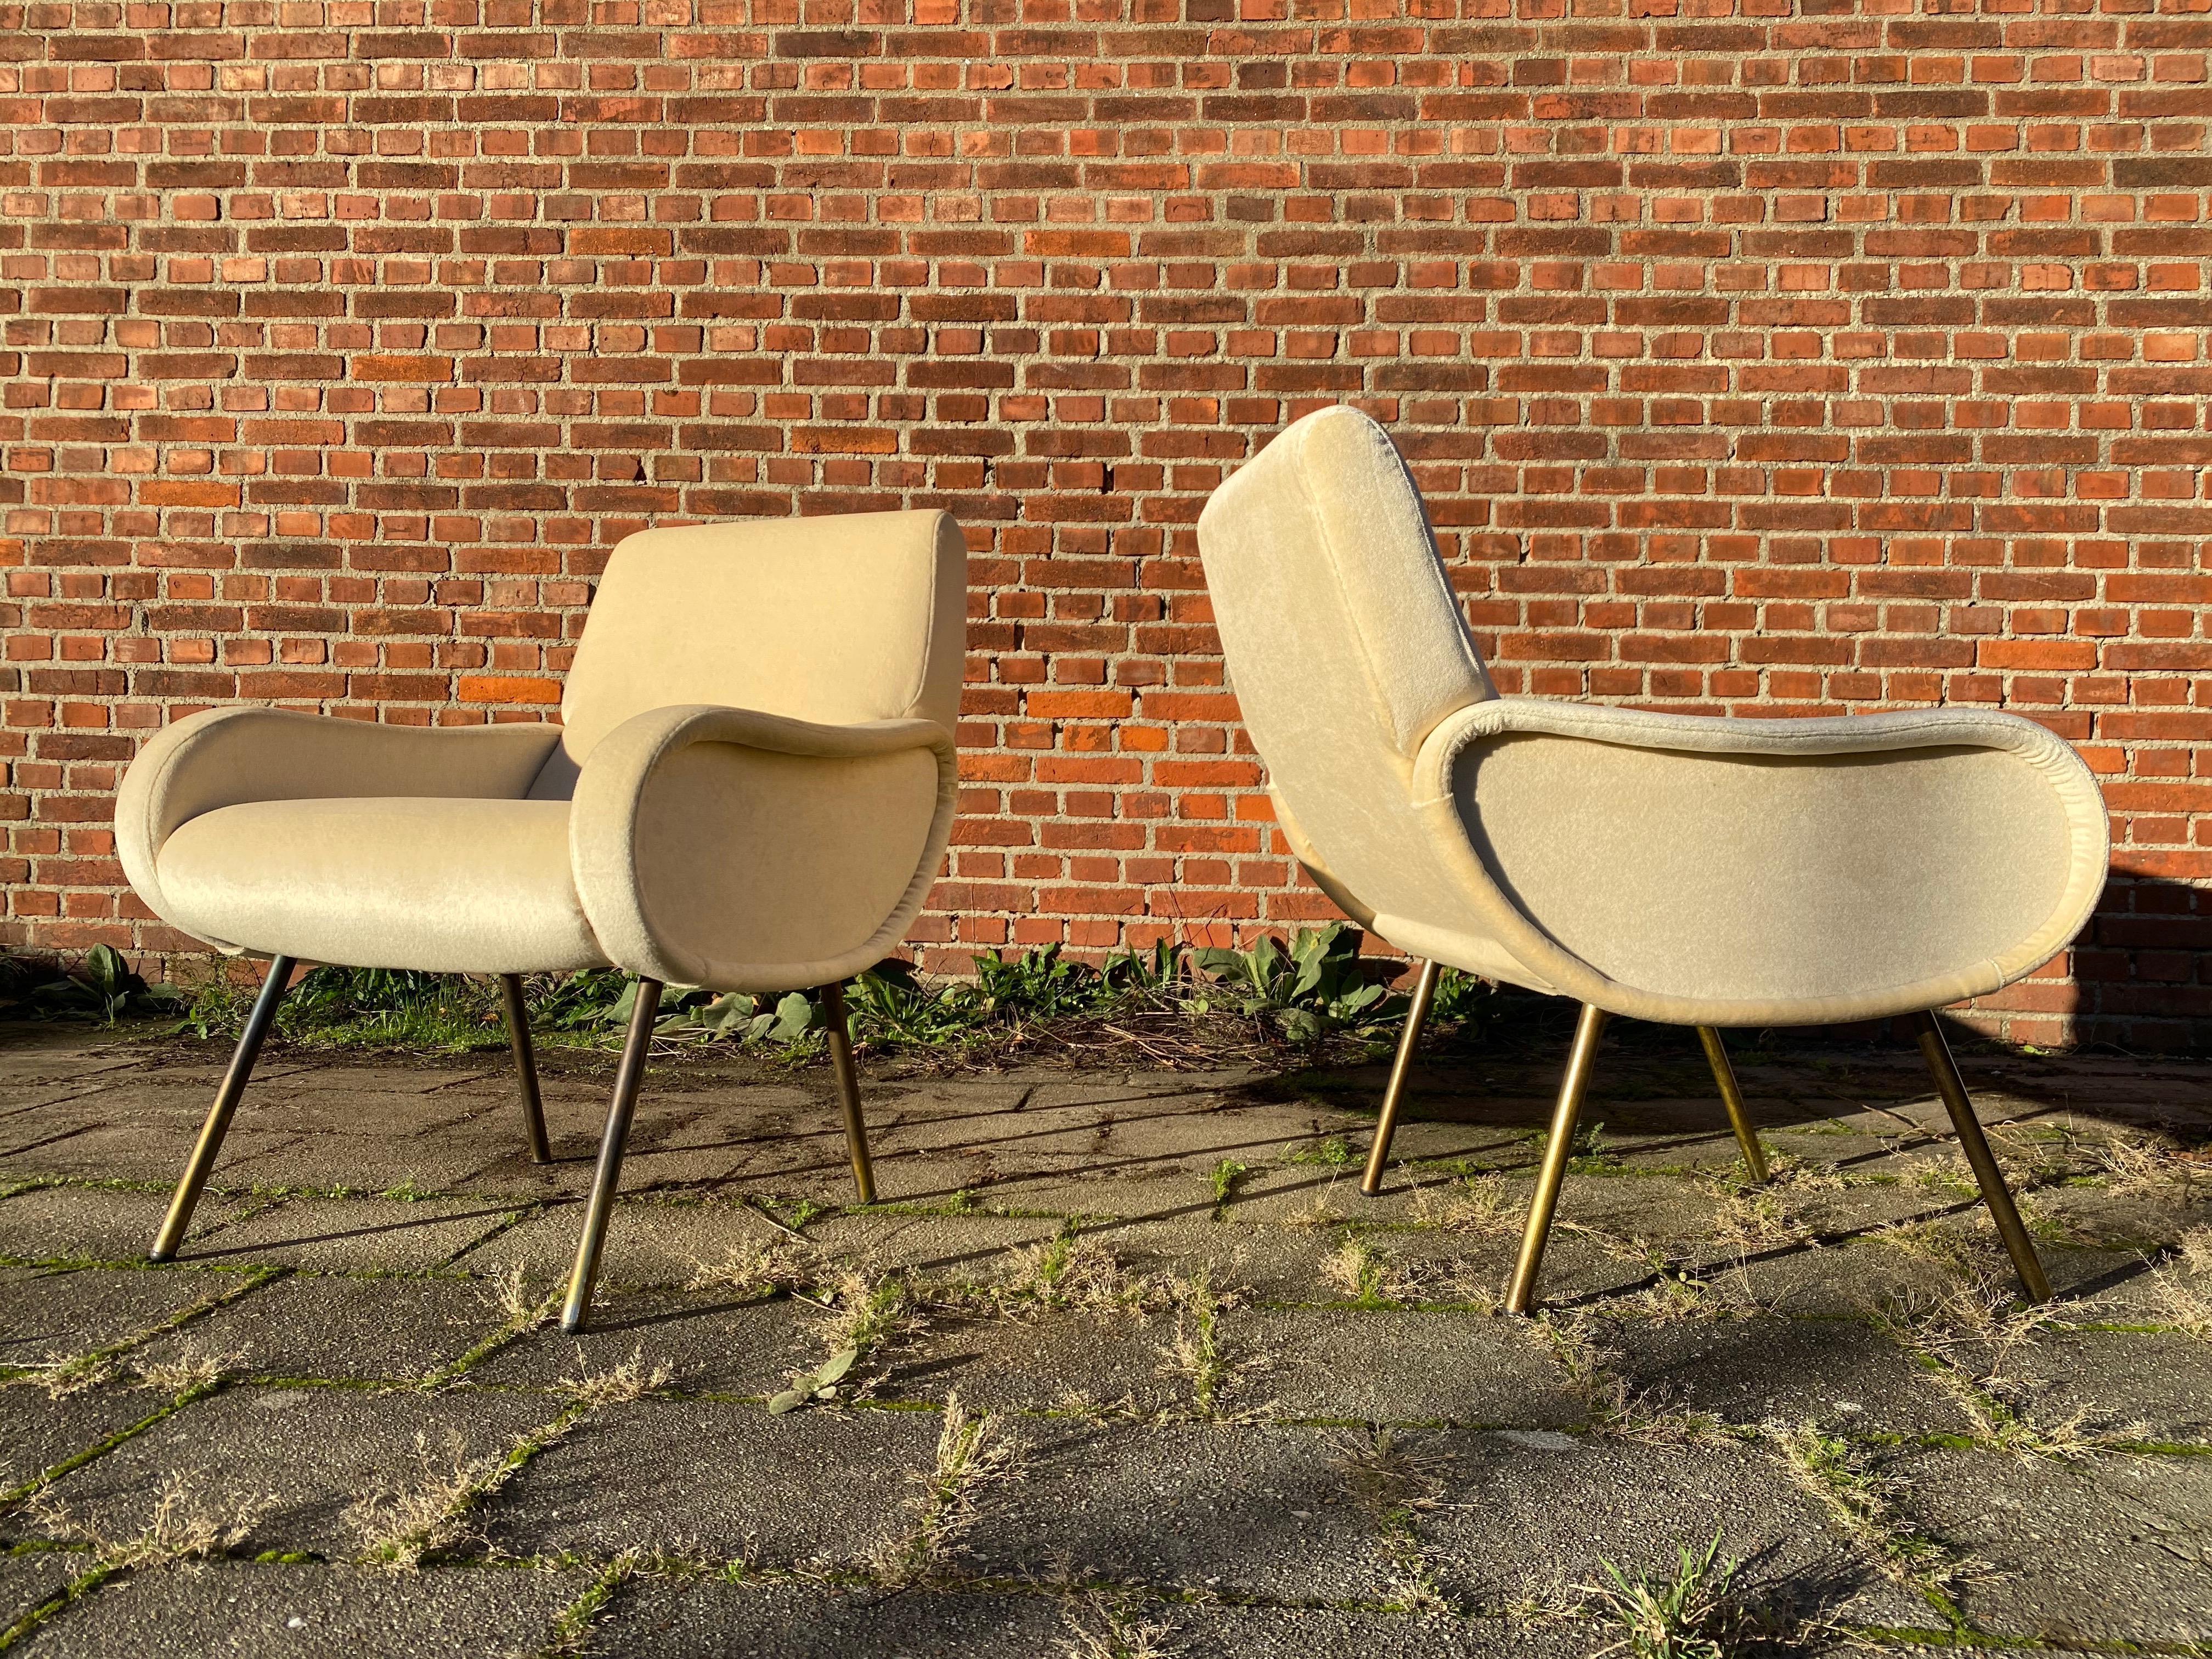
x: 2146, y: 1169
x: 870, y: 1316
x: 62, y: 1378
x: 2185, y: 1285
x: 400, y: 1523
x: 1098, y: 1629
x: 1227, y: 1175
x: 190, y: 1367
x: 971, y: 1455
x: 509, y: 1294
x: 756, y: 1267
x: 1357, y: 1268
x: 1689, y: 1612
x: 1833, y: 1471
x: 864, y: 1318
x: 573, y: 1622
x: 1758, y: 1220
x: 631, y: 1380
x: 1197, y: 1349
x: 1330, y: 1153
x: 185, y: 1525
x: 1392, y: 1480
x: 1477, y: 1205
x: 1068, y: 1272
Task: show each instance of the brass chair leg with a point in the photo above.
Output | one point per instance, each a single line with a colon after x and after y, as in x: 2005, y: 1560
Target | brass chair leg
x: 628, y: 1076
x: 525, y: 1067
x: 187, y: 1195
x: 1716, y: 1055
x: 1425, y: 993
x: 1556, y: 1150
x: 1976, y: 1145
x: 849, y: 1090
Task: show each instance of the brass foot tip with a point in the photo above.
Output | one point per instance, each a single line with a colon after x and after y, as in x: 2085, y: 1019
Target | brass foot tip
x: 1372, y: 1190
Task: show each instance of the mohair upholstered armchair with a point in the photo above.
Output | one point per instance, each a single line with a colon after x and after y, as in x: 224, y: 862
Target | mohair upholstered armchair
x: 1693, y: 871
x: 751, y: 791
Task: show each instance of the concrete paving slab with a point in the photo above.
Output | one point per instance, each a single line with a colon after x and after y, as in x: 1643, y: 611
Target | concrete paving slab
x: 29, y: 1581
x: 1395, y: 1367
x: 94, y: 1148
x: 39, y: 1432
x: 711, y: 1343
x: 1332, y: 1633
x: 722, y: 1482
x: 1142, y: 1193
x: 1241, y: 1510
x: 1059, y: 1359
x: 968, y: 1249
x: 1763, y: 1370
x: 49, y: 1313
x: 386, y: 1329
x: 649, y: 1242
x: 712, y: 1619
x: 99, y: 1224
x: 2157, y: 1385
x: 247, y: 1610
x: 2105, y: 1549
x: 1265, y: 1263
x: 306, y: 1453
x: 356, y: 1235
x: 439, y: 1163
x: 1521, y: 1516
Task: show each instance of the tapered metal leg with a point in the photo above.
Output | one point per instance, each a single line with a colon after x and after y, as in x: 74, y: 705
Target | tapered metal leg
x: 848, y: 1090
x: 1425, y: 993
x: 525, y: 1067
x: 1716, y: 1054
x: 1976, y: 1146
x: 628, y: 1076
x: 1556, y: 1150
x: 187, y: 1195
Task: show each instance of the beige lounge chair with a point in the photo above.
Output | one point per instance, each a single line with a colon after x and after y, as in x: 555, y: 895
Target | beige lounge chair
x: 751, y: 791
x: 1693, y: 871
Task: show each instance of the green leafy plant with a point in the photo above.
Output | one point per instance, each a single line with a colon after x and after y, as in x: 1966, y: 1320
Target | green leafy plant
x: 101, y: 985
x: 819, y: 1384
x: 1317, y: 986
x: 1691, y: 1613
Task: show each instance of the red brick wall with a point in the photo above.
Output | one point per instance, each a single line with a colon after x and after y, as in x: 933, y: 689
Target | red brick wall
x: 1755, y: 357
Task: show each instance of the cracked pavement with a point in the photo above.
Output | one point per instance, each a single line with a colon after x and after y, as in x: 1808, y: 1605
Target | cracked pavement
x: 1139, y: 1371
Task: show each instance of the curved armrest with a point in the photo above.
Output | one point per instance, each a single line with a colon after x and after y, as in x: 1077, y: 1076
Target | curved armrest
x: 228, y: 757
x: 1750, y: 872
x: 753, y: 852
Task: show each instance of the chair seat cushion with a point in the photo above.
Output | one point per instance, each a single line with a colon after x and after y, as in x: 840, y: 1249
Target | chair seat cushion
x: 443, y: 885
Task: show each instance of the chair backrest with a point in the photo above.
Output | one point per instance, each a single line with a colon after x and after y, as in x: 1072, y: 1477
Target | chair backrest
x: 840, y: 620
x: 1345, y: 643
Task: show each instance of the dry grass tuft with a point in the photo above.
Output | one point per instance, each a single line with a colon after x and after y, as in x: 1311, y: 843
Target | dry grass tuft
x: 631, y: 1380
x: 184, y: 1526
x: 972, y: 1453
x: 190, y: 1367
x: 754, y: 1268
x: 400, y: 1523
x: 1097, y: 1629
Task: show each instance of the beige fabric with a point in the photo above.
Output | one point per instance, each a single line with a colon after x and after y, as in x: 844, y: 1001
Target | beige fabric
x: 223, y: 757
x: 446, y: 886
x: 760, y: 847
x: 835, y: 620
x: 1677, y: 868
x: 825, y: 841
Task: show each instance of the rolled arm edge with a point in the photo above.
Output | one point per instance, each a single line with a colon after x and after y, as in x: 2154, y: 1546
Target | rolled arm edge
x: 2068, y: 775
x: 230, y: 757
x: 610, y: 792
